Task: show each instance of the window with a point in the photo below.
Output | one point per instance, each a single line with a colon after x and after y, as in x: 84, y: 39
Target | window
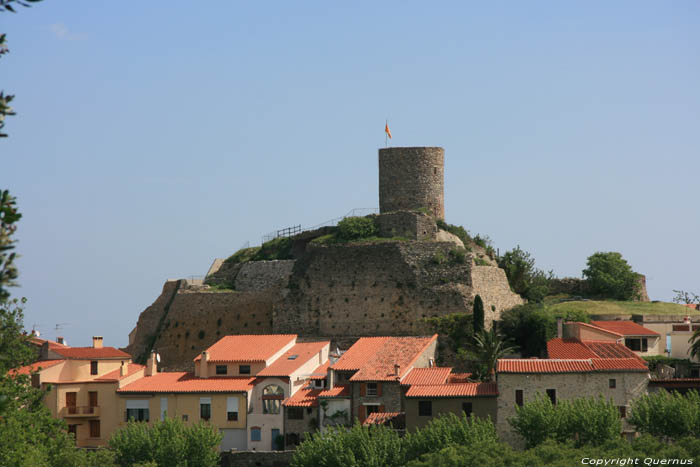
x: 184, y: 418
x: 552, y: 394
x: 272, y: 399
x: 73, y: 429
x: 255, y: 434
x: 425, y: 408
x: 205, y: 408
x: 623, y: 411
x: 371, y: 389
x: 633, y: 344
x: 93, y: 367
x: 371, y: 409
x: 612, y: 383
x: 519, y: 397
x: 295, y: 413
x: 94, y: 428
x: 467, y: 408
x: 163, y: 408
x: 222, y: 369
x: 320, y: 383
x: 137, y: 410
x: 645, y: 345
x: 232, y: 409
x: 70, y: 402
x: 244, y: 369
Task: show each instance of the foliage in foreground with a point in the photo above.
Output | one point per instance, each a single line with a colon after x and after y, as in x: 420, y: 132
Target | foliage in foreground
x: 484, y: 351
x: 588, y: 421
x: 166, y: 443
x: 671, y: 415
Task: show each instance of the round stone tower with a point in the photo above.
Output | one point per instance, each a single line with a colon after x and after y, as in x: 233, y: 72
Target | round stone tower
x: 412, y: 178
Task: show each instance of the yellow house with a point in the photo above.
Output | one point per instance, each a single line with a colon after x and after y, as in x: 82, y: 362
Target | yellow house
x: 82, y: 382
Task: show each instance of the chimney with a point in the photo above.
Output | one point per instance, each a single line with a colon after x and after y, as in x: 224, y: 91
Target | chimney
x: 331, y: 379
x: 204, y: 365
x: 687, y: 320
x: 59, y: 339
x: 151, y: 365
x: 397, y: 370
x: 560, y: 327
x: 97, y: 342
x: 124, y: 369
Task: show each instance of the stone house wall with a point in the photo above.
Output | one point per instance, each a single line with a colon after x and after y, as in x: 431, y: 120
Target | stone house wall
x: 390, y: 398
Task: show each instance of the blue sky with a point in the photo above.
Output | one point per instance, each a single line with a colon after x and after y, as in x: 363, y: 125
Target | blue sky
x: 152, y: 138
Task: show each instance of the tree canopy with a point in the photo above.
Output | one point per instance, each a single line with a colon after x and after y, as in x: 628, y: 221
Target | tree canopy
x: 610, y: 276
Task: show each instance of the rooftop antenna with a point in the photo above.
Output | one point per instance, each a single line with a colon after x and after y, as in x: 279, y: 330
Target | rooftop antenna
x: 60, y: 326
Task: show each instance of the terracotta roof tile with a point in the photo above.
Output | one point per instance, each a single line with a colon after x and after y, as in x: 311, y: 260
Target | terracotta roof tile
x: 79, y: 353
x: 132, y: 369
x: 339, y: 390
x: 459, y: 378
x: 304, y: 397
x: 375, y: 357
x: 36, y: 366
x: 568, y: 348
x: 321, y: 372
x: 247, y: 348
x: 37, y: 341
x: 186, y: 382
x: 285, y: 366
x: 534, y: 365
x: 454, y: 390
x: 610, y: 350
x: 380, y: 418
x: 435, y: 375
x: 625, y: 328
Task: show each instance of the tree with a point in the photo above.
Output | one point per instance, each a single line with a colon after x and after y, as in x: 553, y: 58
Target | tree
x: 356, y: 228
x: 484, y: 352
x: 166, y: 443
x: 668, y: 415
x: 686, y: 298
x: 524, y: 278
x: 609, y: 276
x: 478, y: 314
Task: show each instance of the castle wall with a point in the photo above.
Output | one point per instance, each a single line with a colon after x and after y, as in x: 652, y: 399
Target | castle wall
x: 491, y: 284
x: 149, y: 320
x: 262, y: 275
x: 412, y: 178
x: 409, y: 224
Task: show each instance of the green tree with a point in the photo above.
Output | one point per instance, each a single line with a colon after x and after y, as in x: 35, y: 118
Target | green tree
x: 484, y: 352
x: 166, y: 443
x: 478, y: 314
x: 609, y: 276
x: 356, y: 228
x: 524, y: 278
x: 694, y: 342
x: 668, y: 415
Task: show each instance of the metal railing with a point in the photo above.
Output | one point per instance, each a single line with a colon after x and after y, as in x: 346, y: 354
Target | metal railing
x: 81, y: 411
x: 297, y: 229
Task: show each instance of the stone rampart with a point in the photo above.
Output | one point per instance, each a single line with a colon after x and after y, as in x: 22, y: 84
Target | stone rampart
x: 409, y: 224
x: 147, y: 326
x: 491, y: 284
x: 263, y: 275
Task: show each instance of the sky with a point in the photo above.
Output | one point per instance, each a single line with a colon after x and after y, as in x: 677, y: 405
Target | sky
x: 151, y: 138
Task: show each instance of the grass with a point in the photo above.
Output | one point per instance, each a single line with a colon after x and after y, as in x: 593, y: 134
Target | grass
x: 331, y: 239
x: 613, y: 307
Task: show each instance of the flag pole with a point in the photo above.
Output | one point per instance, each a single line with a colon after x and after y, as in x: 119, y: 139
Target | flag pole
x: 386, y: 135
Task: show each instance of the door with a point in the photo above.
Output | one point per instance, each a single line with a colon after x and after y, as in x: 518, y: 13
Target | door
x: 71, y: 402
x: 92, y: 396
x: 275, y: 434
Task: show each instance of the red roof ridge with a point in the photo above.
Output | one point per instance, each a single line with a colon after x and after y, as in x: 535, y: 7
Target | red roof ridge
x: 83, y: 353
x: 36, y: 366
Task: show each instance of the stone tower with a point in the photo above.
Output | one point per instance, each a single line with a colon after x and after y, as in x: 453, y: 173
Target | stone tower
x: 412, y: 178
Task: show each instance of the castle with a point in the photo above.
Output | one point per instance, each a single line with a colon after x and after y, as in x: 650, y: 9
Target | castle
x: 338, y: 291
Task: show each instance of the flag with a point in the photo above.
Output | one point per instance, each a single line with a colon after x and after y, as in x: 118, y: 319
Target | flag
x: 387, y: 130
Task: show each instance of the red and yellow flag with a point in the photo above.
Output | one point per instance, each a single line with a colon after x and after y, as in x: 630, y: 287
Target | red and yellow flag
x: 387, y: 130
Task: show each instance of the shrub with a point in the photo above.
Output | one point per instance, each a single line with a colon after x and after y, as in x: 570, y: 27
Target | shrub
x: 526, y: 280
x: 478, y: 314
x: 480, y: 261
x: 438, y: 258
x: 243, y: 255
x: 609, y: 276
x: 278, y: 248
x: 457, y: 230
x: 588, y: 421
x: 356, y: 228
x: 166, y: 443
x: 671, y: 415
x: 458, y: 256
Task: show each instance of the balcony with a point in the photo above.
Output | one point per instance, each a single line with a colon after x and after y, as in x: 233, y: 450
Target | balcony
x: 72, y: 411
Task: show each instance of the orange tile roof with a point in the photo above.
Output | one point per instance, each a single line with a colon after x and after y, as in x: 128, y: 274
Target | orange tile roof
x: 375, y: 357
x: 379, y: 418
x: 321, y: 372
x: 304, y: 397
x: 36, y: 366
x: 172, y: 382
x: 37, y: 341
x: 339, y: 390
x: 80, y: 353
x: 572, y: 348
x: 607, y: 331
x: 625, y: 328
x: 534, y: 365
x: 247, y: 348
x: 284, y: 366
x: 132, y: 369
x: 435, y: 375
x: 454, y: 390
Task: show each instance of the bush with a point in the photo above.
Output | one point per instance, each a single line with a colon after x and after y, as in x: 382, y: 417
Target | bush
x: 670, y: 415
x: 609, y: 276
x: 278, y: 248
x: 167, y: 443
x: 526, y: 280
x: 457, y: 230
x: 588, y: 421
x: 458, y: 256
x: 478, y: 314
x: 373, y: 446
x: 356, y: 228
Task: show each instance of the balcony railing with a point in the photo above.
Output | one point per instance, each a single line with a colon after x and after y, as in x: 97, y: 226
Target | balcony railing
x: 80, y: 411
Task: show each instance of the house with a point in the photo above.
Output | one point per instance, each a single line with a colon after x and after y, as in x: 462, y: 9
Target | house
x: 84, y: 381
x: 677, y: 331
x: 434, y: 391
x: 645, y: 342
x: 221, y: 400
x: 520, y: 380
